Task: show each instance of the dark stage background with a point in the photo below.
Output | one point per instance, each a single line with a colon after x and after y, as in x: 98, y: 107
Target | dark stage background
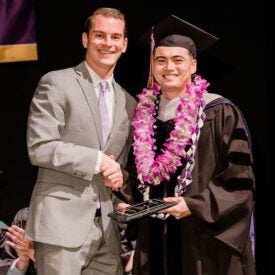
x: 237, y: 67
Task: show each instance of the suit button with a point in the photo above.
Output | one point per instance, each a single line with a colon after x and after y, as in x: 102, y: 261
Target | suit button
x: 94, y: 199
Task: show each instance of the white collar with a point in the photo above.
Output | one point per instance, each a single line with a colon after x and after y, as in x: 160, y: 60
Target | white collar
x: 168, y: 108
x: 95, y: 77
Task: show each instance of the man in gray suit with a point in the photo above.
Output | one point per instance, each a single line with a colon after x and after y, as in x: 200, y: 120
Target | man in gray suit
x: 79, y: 173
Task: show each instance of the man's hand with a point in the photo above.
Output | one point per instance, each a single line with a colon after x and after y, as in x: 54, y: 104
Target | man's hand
x: 23, y: 247
x: 180, y: 210
x: 111, y: 172
x: 122, y: 205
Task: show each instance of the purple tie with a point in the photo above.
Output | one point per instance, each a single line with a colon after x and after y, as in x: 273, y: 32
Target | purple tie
x: 104, y: 111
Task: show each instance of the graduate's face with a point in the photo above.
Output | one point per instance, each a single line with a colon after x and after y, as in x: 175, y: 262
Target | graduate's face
x: 172, y: 69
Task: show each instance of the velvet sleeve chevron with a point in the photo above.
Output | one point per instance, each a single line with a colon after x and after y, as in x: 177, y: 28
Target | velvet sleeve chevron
x: 221, y: 196
x: 238, y: 173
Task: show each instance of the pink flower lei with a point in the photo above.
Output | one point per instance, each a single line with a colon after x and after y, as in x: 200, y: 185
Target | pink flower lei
x: 151, y: 170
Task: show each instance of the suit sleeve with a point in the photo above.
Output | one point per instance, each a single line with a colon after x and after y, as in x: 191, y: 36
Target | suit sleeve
x: 52, y: 118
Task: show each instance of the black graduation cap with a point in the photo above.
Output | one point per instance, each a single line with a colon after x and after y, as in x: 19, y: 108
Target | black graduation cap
x: 176, y: 32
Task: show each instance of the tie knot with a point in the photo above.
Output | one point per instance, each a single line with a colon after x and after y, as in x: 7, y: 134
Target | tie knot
x: 103, y: 86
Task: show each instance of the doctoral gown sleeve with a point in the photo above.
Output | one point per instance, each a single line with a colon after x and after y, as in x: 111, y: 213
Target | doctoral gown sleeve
x: 221, y: 196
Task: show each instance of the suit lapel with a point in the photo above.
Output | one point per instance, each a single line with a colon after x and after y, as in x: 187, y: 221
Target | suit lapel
x: 85, y: 82
x: 118, y: 112
x: 88, y: 90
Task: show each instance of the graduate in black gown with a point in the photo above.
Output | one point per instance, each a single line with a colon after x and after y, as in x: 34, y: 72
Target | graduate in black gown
x: 192, y: 147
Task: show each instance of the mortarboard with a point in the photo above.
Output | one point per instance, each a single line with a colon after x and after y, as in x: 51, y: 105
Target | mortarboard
x: 176, y: 32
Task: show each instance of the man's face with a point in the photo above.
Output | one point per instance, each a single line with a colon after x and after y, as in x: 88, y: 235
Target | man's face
x: 105, y: 42
x: 173, y: 68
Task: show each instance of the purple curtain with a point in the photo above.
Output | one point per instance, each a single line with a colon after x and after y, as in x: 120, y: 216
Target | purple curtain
x: 17, y: 30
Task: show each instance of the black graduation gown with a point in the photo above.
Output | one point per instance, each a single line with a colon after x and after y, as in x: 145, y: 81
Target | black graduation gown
x: 214, y: 239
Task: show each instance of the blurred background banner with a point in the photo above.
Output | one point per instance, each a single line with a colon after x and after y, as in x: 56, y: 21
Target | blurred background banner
x: 17, y: 31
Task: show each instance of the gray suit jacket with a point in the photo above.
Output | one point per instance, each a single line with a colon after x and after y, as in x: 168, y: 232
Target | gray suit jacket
x: 63, y: 138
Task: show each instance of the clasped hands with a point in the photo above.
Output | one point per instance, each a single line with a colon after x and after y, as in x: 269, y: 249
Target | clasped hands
x: 23, y: 247
x: 111, y: 172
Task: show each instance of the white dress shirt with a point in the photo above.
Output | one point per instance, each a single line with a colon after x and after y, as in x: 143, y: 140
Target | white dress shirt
x: 109, y: 101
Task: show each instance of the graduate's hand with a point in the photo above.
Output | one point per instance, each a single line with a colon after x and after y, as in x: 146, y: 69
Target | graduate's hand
x: 180, y: 210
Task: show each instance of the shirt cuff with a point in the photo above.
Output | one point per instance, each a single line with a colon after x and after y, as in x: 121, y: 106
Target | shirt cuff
x: 98, y: 162
x: 14, y: 271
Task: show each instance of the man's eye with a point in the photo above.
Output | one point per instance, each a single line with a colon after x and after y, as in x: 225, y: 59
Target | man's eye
x: 116, y: 37
x: 99, y: 35
x: 160, y: 61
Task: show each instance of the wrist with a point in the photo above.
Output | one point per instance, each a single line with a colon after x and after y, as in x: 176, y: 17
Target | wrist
x: 22, y: 264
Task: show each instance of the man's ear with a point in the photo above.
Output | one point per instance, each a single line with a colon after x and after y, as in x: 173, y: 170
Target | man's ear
x: 84, y: 40
x: 194, y: 66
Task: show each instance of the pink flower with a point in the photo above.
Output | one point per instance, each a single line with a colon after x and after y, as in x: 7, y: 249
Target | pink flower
x: 153, y: 171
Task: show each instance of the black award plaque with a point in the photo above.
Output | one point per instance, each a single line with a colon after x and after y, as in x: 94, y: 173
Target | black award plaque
x: 140, y: 210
